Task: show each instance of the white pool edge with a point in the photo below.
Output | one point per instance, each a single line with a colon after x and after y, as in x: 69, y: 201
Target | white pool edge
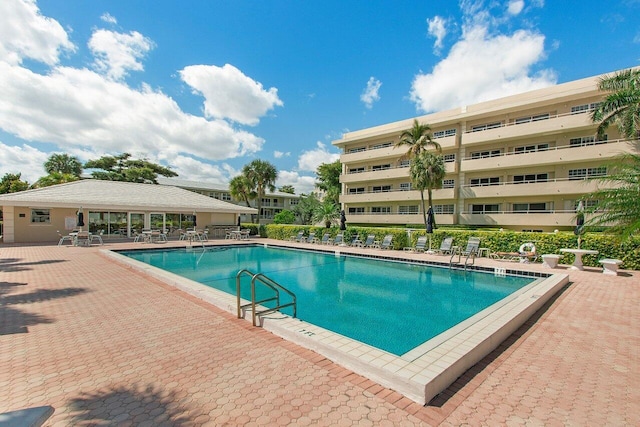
x: 419, y: 378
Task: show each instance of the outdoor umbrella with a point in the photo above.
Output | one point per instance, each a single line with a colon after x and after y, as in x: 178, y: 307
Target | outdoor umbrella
x: 343, y: 221
x: 80, y: 221
x: 579, y: 222
x: 431, y: 222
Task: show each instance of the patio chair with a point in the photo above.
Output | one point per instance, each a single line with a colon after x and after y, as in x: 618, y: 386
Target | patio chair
x: 83, y: 238
x: 310, y: 238
x: 471, y: 251
x: 297, y: 237
x: 446, y: 247
x: 338, y: 240
x: 325, y: 239
x: 386, y: 242
x: 97, y: 237
x: 370, y: 241
x: 420, y: 246
x: 63, y: 238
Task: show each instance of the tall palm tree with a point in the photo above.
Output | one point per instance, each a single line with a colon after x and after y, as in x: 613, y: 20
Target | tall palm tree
x: 618, y: 205
x: 326, y: 212
x: 621, y: 106
x: 418, y: 139
x: 262, y: 177
x: 240, y: 189
x: 427, y: 171
x: 55, y: 178
x: 63, y: 164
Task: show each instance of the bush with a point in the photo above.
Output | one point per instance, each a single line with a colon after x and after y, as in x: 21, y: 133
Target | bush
x: 284, y: 217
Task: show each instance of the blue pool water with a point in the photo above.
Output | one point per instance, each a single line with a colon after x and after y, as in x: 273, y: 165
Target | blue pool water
x: 393, y: 306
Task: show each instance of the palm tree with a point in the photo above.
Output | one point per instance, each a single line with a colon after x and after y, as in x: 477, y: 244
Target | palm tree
x: 418, y: 138
x: 326, y: 212
x: 55, y: 178
x: 63, y: 164
x: 618, y: 205
x: 622, y: 104
x: 240, y: 189
x: 262, y: 177
x: 427, y: 171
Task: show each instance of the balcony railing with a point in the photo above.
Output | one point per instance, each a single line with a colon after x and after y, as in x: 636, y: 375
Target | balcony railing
x: 540, y: 118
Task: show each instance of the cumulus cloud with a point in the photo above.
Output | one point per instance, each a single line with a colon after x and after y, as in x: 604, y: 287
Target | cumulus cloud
x: 484, y: 64
x: 117, y: 53
x: 438, y: 29
x: 108, y: 18
x: 515, y: 7
x: 229, y: 94
x: 311, y: 159
x: 370, y: 94
x: 25, y: 33
x: 302, y: 183
x: 280, y: 154
x: 26, y: 160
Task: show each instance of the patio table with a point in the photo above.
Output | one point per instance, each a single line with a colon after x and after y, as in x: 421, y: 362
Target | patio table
x: 577, y: 263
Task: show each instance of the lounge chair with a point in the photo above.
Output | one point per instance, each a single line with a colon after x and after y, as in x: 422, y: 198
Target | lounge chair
x: 325, y: 239
x: 386, y: 242
x: 420, y: 246
x: 297, y: 237
x: 68, y: 237
x: 446, y: 247
x: 97, y: 237
x: 369, y: 241
x: 337, y: 240
x: 309, y: 239
x: 471, y: 251
x: 83, y: 238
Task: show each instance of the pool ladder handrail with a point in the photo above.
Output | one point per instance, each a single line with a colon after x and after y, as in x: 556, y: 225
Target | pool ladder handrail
x: 270, y: 283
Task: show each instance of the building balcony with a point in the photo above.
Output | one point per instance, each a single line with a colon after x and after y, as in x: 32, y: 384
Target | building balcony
x: 550, y: 187
x: 397, y: 196
x: 557, y: 155
x: 441, y: 219
x: 390, y: 152
x: 525, y: 220
x: 556, y: 124
x: 387, y: 174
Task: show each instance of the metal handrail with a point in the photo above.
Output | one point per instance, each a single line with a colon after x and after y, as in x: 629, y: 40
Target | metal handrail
x: 270, y: 283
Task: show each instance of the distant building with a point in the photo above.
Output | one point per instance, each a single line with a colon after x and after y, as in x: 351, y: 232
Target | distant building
x: 272, y: 203
x: 519, y: 162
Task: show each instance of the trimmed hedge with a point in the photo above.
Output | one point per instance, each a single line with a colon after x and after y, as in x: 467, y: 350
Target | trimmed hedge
x: 608, y: 246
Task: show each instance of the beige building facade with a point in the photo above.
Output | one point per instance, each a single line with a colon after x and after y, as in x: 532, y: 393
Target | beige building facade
x: 519, y: 162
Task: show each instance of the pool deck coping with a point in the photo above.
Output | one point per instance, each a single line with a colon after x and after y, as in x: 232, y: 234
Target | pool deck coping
x: 419, y: 374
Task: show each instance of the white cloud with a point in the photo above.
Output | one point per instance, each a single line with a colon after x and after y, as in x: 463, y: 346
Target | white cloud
x: 26, y: 160
x: 117, y: 53
x: 310, y: 160
x: 302, y: 183
x: 280, y: 154
x: 482, y: 65
x: 437, y: 29
x: 25, y: 33
x: 108, y: 18
x: 515, y: 7
x: 229, y: 94
x: 370, y: 94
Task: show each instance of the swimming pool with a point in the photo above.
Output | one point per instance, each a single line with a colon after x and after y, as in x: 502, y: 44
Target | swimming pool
x: 389, y: 305
x: 420, y: 373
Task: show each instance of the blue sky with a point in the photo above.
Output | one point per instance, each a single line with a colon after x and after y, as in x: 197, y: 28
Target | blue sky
x: 206, y: 86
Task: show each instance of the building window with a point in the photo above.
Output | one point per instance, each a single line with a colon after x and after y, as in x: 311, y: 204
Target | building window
x: 444, y: 209
x: 529, y: 207
x: 482, y: 209
x: 40, y: 216
x: 575, y: 174
x: 531, y: 148
x: 480, y: 182
x: 356, y: 211
x: 381, y: 167
x: 444, y: 133
x: 383, y: 145
x: 584, y: 108
x: 293, y: 202
x: 356, y: 170
x: 405, y: 186
x: 359, y: 190
x: 448, y: 158
x: 404, y: 163
x: 485, y: 154
x: 448, y: 183
x: 356, y: 150
x: 535, y: 118
x: 486, y: 126
x: 587, y: 140
x: 381, y: 188
x: 407, y: 210
x: 225, y: 196
x: 381, y: 209
x: 529, y: 178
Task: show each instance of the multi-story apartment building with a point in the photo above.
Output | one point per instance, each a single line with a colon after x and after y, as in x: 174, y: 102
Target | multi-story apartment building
x: 272, y: 203
x: 519, y: 162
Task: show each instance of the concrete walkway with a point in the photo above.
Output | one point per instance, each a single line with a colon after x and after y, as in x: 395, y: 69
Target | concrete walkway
x: 105, y: 345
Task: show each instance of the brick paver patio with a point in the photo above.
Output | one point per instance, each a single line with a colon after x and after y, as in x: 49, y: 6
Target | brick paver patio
x: 105, y: 345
